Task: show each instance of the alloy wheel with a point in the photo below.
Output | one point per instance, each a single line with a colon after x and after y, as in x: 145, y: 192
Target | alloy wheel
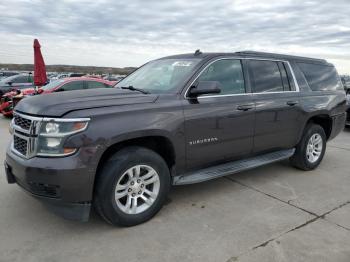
x: 314, y: 148
x: 137, y: 189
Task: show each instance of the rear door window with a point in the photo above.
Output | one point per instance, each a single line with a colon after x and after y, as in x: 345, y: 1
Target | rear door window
x: 266, y: 76
x: 321, y: 77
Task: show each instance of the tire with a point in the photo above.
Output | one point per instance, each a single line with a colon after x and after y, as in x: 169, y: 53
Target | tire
x: 301, y: 159
x: 121, y: 170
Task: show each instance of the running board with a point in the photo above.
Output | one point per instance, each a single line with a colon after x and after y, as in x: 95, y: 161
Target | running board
x: 231, y: 168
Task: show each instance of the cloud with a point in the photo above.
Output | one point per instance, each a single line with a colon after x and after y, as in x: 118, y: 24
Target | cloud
x: 119, y: 33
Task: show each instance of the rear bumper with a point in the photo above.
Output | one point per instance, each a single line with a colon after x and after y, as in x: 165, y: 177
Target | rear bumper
x: 62, y: 184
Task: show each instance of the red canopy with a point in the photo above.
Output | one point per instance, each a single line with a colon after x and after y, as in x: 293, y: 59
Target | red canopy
x: 40, y: 78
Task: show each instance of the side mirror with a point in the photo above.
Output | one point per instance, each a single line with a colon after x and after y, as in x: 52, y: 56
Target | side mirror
x: 204, y: 88
x: 9, y: 83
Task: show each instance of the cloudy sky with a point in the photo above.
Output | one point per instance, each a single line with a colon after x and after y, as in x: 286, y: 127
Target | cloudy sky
x: 129, y: 33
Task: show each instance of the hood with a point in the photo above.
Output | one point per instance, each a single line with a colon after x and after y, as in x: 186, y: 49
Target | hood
x: 59, y: 104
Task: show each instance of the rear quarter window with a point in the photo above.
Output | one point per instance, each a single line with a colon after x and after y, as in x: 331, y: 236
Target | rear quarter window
x: 321, y: 77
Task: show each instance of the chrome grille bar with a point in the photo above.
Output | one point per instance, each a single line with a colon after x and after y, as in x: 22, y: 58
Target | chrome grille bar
x: 26, y: 128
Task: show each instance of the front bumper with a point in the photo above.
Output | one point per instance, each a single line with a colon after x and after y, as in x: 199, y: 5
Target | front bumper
x: 63, y: 184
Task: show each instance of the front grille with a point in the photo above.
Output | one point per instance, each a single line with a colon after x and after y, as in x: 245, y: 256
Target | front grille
x: 20, y: 145
x: 25, y: 133
x: 23, y: 123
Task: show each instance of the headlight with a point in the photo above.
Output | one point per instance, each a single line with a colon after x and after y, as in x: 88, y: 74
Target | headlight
x: 52, y: 128
x: 53, y: 134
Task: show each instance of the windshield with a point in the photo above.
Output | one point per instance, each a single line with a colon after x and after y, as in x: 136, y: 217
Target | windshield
x: 160, y: 76
x: 52, y: 85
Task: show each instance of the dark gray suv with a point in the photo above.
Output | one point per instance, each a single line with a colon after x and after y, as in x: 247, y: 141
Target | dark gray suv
x: 177, y: 120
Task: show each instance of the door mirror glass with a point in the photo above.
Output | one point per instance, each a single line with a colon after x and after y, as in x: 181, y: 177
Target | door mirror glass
x: 205, y: 88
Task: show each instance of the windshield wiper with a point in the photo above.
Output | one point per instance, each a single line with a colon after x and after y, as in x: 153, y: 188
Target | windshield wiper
x: 134, y: 89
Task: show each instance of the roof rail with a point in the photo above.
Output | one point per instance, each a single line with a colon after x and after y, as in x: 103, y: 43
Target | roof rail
x: 265, y: 54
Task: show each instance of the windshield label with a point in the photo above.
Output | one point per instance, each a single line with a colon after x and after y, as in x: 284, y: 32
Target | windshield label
x: 182, y: 63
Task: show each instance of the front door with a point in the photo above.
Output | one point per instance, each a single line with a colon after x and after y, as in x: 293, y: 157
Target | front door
x: 220, y: 127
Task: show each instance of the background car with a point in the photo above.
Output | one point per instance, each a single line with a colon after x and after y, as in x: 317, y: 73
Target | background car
x: 114, y: 77
x: 348, y: 110
x: 4, y: 74
x: 19, y: 81
x: 10, y: 99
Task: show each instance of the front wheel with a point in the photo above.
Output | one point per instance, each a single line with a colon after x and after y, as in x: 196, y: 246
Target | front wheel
x: 311, y: 148
x: 132, y: 186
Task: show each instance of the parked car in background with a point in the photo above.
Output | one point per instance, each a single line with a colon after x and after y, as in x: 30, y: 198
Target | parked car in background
x: 348, y: 111
x: 10, y: 99
x: 65, y: 75
x: 19, y: 81
x: 114, y: 77
x: 4, y: 74
x: 177, y: 120
x: 76, y: 74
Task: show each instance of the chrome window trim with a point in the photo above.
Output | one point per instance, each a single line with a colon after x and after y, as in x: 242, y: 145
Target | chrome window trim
x: 228, y: 95
x: 297, y: 88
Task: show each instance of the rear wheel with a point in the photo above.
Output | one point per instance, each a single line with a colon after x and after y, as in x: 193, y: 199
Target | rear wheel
x: 132, y: 186
x: 311, y: 148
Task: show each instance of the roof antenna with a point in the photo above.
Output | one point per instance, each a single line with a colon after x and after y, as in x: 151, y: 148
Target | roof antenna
x: 198, y: 52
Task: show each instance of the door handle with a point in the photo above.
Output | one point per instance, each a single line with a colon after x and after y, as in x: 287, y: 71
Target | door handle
x: 292, y: 103
x: 245, y: 107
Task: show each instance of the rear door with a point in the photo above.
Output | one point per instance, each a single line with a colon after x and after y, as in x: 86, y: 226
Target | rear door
x: 219, y: 128
x: 276, y: 96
